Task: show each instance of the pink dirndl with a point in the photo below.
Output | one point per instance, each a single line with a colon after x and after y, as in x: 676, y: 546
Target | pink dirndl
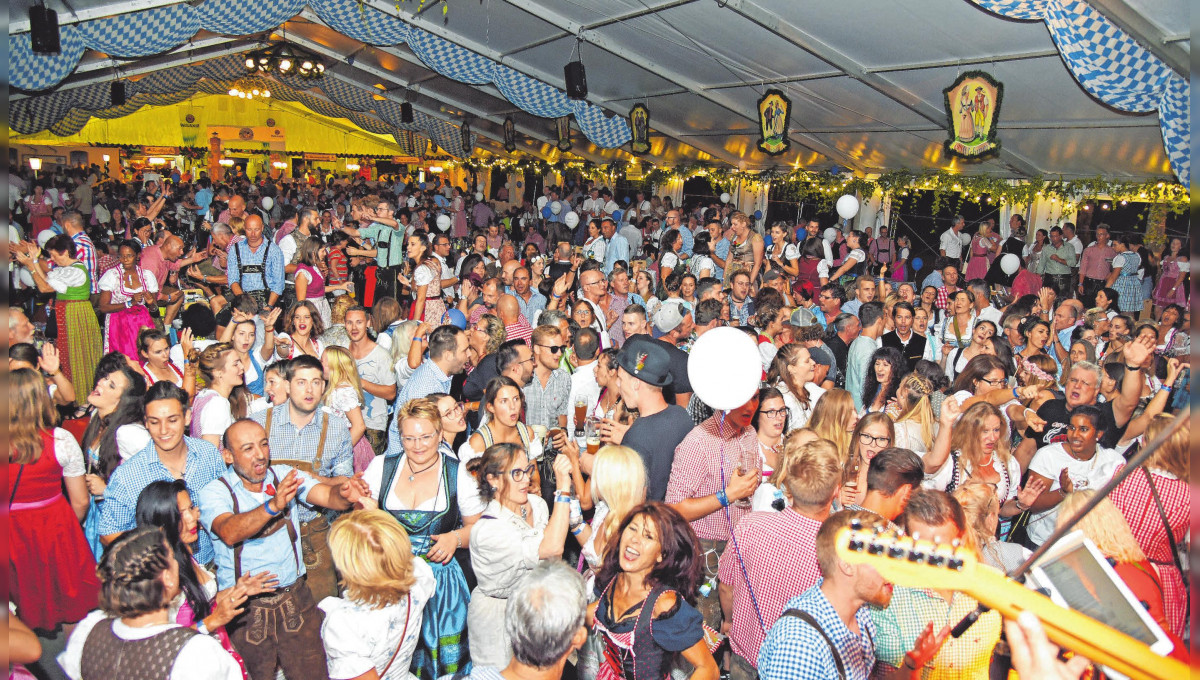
x: 123, y: 329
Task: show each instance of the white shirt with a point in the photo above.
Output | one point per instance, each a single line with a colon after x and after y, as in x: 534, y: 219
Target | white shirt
x: 359, y: 638
x: 469, y: 502
x: 989, y: 313
x: 1049, y: 462
x: 201, y: 658
x: 216, y: 415
x: 951, y: 243
x: 1077, y: 244
x: 583, y: 386
x: 113, y: 282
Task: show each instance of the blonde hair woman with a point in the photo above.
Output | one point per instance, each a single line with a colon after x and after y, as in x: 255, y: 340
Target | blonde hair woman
x: 376, y: 626
x: 977, y: 449
x: 618, y: 484
x: 834, y: 418
x: 982, y: 508
x: 221, y: 402
x: 402, y: 352
x: 915, y: 423
x: 344, y: 395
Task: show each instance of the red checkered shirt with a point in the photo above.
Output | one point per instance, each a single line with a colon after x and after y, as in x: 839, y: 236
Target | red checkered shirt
x: 521, y: 330
x: 779, y: 551
x: 697, y: 471
x: 943, y: 297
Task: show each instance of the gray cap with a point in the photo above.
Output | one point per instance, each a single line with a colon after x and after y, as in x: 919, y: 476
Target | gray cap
x: 803, y: 317
x: 667, y: 318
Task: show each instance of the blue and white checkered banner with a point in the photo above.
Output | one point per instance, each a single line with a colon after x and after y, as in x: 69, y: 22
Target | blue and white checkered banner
x: 364, y: 24
x: 157, y: 30
x: 1113, y: 68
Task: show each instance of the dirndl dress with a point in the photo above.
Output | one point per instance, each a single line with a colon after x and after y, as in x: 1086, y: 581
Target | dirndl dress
x: 442, y: 649
x: 121, y: 328
x: 79, y: 341
x: 1169, y: 277
x: 1128, y: 284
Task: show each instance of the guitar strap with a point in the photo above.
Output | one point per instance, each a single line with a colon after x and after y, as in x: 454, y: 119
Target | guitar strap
x: 808, y: 618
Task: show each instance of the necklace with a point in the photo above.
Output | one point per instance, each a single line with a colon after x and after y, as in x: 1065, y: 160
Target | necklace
x: 413, y: 476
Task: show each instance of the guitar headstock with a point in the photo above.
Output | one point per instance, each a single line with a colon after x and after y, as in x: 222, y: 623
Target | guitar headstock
x: 915, y: 563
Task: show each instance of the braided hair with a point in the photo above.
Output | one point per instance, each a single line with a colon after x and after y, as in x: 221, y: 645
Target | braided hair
x: 131, y: 572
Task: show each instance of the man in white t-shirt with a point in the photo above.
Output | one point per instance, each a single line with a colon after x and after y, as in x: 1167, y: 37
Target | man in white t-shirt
x: 984, y: 309
x: 378, y: 377
x: 950, y: 244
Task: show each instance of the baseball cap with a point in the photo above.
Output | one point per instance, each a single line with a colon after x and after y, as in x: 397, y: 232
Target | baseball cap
x: 667, y: 318
x: 802, y: 318
x: 647, y: 361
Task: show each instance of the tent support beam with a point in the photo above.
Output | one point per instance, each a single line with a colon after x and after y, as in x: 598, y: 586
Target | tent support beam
x: 555, y: 80
x: 1132, y: 122
x: 1146, y: 34
x: 617, y: 18
x: 88, y: 13
x: 881, y: 84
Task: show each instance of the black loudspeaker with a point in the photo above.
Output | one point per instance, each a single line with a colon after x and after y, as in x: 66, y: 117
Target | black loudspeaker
x: 406, y: 113
x: 43, y: 30
x: 118, y: 92
x: 576, y: 80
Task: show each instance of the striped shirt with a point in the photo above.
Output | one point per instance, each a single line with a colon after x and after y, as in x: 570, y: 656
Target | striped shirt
x: 85, y: 252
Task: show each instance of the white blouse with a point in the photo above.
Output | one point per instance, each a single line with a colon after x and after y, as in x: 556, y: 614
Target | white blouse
x: 62, y: 278
x: 469, y: 502
x: 201, y: 658
x: 504, y: 547
x: 113, y: 281
x: 359, y: 638
x: 68, y: 454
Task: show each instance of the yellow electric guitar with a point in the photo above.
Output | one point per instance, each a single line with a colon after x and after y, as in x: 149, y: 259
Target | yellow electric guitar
x: 921, y: 564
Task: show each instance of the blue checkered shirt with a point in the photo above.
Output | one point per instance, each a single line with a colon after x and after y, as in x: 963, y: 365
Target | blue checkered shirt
x: 529, y: 310
x: 289, y: 443
x: 426, y: 380
x: 794, y: 649
x: 117, y: 512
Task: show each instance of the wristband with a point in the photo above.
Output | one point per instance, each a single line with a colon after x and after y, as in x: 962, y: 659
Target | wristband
x: 201, y: 628
x: 458, y: 539
x: 267, y: 507
x: 562, y: 497
x: 577, y: 530
x: 1132, y: 368
x: 910, y: 661
x: 1015, y: 394
x: 1020, y: 507
x: 723, y: 498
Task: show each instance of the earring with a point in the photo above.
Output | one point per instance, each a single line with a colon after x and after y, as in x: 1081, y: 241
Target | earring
x: 494, y: 489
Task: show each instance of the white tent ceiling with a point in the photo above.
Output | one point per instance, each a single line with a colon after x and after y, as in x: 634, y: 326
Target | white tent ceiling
x: 865, y: 76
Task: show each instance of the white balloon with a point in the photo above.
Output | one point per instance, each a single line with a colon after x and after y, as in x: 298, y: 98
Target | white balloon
x: 831, y: 234
x: 479, y: 197
x: 725, y: 198
x: 541, y: 202
x: 412, y: 201
x: 268, y: 203
x: 508, y: 185
x: 570, y: 219
x: 556, y: 207
x: 847, y: 207
x: 965, y: 238
x: 443, y: 222
x: 1010, y: 263
x: 736, y: 381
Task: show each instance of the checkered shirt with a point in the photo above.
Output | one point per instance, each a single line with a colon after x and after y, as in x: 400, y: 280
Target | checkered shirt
x: 911, y: 609
x: 85, y: 252
x: 543, y: 405
x: 117, y: 512
x: 702, y: 460
x: 291, y: 443
x: 521, y: 330
x: 794, y: 649
x: 778, y: 550
x: 943, y: 297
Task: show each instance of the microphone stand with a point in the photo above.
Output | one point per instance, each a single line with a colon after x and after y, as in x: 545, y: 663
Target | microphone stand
x: 1138, y: 460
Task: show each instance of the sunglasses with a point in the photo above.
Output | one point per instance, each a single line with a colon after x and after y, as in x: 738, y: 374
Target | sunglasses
x: 554, y: 349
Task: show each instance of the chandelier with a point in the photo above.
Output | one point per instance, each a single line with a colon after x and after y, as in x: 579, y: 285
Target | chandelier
x: 285, y: 59
x: 248, y: 90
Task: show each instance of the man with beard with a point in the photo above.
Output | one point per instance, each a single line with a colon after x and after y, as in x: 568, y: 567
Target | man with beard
x: 376, y: 371
x: 250, y: 510
x: 316, y: 442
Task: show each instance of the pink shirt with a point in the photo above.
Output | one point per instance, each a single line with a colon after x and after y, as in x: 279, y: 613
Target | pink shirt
x: 154, y: 262
x: 698, y: 469
x: 1096, y: 262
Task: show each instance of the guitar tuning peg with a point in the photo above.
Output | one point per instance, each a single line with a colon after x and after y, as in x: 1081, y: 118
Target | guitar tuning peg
x: 916, y: 554
x: 896, y: 551
x: 856, y: 524
x: 955, y: 563
x: 875, y: 547
x: 916, y: 536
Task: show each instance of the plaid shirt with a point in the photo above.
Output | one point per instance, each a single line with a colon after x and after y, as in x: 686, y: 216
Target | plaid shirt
x: 779, y: 552
x: 702, y: 460
x: 85, y: 252
x: 543, y: 405
x: 117, y: 512
x: 794, y: 649
x: 911, y: 609
x: 521, y: 330
x: 291, y: 443
x: 943, y: 296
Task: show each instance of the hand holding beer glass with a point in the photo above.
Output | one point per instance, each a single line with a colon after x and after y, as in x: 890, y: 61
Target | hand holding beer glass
x: 580, y: 415
x: 592, y: 435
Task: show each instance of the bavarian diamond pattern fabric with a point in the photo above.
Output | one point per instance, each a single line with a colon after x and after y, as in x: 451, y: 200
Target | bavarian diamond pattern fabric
x: 449, y: 59
x: 1113, y: 68
x: 141, y: 34
x: 243, y: 17
x: 360, y: 22
x: 29, y: 71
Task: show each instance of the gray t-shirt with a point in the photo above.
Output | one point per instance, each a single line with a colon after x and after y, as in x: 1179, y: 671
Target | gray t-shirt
x: 377, y: 368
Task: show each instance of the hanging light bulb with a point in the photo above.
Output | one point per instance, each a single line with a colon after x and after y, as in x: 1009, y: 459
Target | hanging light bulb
x: 254, y: 92
x: 250, y: 63
x: 285, y: 65
x: 232, y: 92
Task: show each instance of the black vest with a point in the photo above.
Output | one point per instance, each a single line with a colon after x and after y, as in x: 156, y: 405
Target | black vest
x: 912, y: 353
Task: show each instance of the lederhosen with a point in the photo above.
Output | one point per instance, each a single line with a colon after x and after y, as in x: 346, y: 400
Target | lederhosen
x: 378, y: 281
x: 443, y: 648
x: 107, y: 656
x: 265, y: 633
x: 314, y: 544
x: 261, y: 269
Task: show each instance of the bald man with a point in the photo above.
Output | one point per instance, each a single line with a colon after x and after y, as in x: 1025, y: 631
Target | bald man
x: 256, y: 265
x: 164, y: 260
x: 235, y: 214
x: 515, y: 325
x: 506, y: 272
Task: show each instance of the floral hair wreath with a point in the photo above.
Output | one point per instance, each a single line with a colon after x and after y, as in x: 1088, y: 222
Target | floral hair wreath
x: 1034, y: 370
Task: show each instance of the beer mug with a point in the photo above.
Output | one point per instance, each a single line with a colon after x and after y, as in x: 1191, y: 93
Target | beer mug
x: 592, y: 435
x: 580, y: 414
x: 539, y: 441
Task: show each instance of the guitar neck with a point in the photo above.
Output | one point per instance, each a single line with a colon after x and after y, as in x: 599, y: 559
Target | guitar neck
x: 920, y: 564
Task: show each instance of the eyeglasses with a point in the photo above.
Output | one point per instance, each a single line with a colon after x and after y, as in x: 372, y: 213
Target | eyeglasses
x: 457, y: 409
x: 775, y: 414
x: 423, y: 440
x: 866, y: 440
x: 994, y: 383
x: 519, y: 474
x: 554, y: 349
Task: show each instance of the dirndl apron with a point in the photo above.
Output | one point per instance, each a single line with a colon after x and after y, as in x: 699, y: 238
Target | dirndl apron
x: 124, y: 326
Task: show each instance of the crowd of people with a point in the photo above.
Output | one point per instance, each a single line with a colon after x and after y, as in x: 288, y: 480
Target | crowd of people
x: 377, y: 429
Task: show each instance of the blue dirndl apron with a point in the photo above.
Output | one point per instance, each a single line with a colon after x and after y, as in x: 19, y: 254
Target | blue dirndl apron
x: 442, y: 649
x: 91, y: 523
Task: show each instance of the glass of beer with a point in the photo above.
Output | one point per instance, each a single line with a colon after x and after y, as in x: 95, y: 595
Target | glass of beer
x: 540, y: 436
x: 592, y: 435
x: 580, y: 415
x: 748, y: 463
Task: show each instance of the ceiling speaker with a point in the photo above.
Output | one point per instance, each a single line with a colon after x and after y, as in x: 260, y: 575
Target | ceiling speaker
x: 43, y: 30
x: 576, y: 79
x: 118, y: 92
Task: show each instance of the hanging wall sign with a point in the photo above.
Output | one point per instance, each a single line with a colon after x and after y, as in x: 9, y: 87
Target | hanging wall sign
x: 562, y: 126
x: 973, y: 108
x: 510, y: 135
x: 467, y: 146
x: 774, y: 118
x: 639, y: 125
